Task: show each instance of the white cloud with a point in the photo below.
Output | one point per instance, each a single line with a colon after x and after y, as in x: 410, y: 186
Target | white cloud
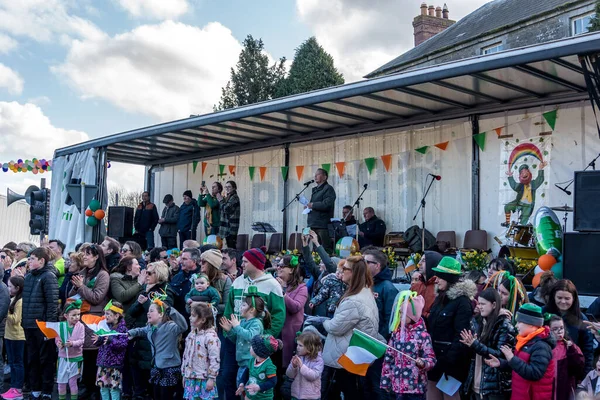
x: 39, y: 100
x: 7, y: 44
x: 27, y: 133
x: 155, y: 9
x: 10, y: 80
x: 363, y: 35
x: 168, y: 71
x: 44, y: 20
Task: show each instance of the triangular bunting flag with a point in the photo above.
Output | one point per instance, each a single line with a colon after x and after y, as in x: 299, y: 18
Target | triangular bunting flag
x: 387, y: 161
x: 204, y: 164
x: 326, y: 167
x: 498, y: 131
x: 550, y: 118
x: 525, y: 126
x: 232, y: 170
x: 370, y: 163
x: 284, y: 173
x: 340, y: 166
x: 356, y: 166
x: 422, y: 150
x: 442, y: 146
x: 299, y: 171
x: 251, y: 171
x: 263, y: 172
x: 480, y: 140
x: 221, y: 169
x: 194, y: 166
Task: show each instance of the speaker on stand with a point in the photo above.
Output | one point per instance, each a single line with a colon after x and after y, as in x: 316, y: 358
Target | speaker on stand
x: 120, y: 223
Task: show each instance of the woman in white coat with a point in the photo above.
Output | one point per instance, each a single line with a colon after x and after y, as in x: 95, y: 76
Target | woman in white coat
x: 357, y: 309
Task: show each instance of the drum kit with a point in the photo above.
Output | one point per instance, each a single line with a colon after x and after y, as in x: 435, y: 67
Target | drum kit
x: 521, y: 241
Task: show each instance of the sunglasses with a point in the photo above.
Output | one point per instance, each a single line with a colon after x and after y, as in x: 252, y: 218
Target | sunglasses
x: 150, y: 272
x: 164, y: 257
x: 125, y: 250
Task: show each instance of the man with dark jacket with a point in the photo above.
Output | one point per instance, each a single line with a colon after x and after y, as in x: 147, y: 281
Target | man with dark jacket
x: 230, y: 214
x: 146, y: 219
x: 40, y: 302
x: 372, y: 231
x: 181, y: 283
x: 168, y: 223
x: 322, y: 204
x: 385, y: 293
x: 189, y: 218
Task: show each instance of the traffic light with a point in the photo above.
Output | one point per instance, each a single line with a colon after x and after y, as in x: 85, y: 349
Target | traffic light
x: 38, y: 211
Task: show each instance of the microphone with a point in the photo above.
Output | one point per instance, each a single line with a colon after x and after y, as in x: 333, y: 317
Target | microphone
x: 309, y: 182
x: 436, y: 177
x: 365, y: 185
x: 568, y: 192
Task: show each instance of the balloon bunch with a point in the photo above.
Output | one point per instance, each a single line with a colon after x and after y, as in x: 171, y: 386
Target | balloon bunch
x: 94, y: 213
x: 36, y: 166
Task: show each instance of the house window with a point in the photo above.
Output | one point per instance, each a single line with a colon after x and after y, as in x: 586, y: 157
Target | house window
x: 492, y: 49
x: 581, y: 24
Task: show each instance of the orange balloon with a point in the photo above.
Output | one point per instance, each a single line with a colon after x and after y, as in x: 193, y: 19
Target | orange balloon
x: 546, y: 262
x: 536, y: 280
x: 99, y: 214
x: 88, y: 213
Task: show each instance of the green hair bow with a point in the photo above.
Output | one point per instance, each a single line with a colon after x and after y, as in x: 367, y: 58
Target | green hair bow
x: 73, y: 305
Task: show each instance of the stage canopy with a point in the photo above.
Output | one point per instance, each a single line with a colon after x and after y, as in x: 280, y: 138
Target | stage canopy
x: 545, y: 74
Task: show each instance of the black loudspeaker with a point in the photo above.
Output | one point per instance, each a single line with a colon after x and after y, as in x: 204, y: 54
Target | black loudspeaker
x: 581, y: 263
x: 587, y: 192
x: 120, y: 222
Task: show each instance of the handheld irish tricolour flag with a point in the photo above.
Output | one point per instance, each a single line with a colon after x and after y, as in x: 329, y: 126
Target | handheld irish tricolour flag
x: 362, y: 351
x: 98, y: 325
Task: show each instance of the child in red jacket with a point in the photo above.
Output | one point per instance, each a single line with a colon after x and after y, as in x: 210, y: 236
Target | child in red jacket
x: 532, y: 366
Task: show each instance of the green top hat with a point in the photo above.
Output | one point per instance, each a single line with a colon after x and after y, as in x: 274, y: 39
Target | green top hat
x: 448, y: 265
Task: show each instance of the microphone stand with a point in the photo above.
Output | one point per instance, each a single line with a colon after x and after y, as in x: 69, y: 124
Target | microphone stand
x: 591, y: 164
x: 296, y: 198
x: 422, y: 206
x: 357, y: 204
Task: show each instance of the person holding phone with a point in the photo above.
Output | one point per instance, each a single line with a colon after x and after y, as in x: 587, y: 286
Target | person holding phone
x: 210, y: 202
x: 230, y: 214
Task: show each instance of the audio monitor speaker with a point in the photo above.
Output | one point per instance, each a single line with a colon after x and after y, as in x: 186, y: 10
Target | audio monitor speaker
x: 120, y: 222
x: 587, y: 192
x: 581, y: 263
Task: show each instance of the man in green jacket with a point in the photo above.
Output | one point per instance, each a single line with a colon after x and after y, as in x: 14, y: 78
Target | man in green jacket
x: 212, y: 213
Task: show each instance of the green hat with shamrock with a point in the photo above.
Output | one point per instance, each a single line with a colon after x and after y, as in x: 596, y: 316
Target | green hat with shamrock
x: 448, y: 269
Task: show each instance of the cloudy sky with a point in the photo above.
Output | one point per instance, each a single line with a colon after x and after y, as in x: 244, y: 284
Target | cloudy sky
x: 71, y: 70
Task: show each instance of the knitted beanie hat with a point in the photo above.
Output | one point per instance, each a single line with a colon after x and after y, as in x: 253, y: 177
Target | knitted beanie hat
x: 256, y: 258
x: 188, y: 193
x: 265, y: 345
x: 530, y: 314
x: 213, y: 257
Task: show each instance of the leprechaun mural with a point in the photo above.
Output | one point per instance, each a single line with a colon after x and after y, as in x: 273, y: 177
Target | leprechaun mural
x: 526, y: 160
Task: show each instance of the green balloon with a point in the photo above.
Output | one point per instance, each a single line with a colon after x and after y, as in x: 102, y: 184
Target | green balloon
x: 91, y: 221
x: 548, y: 232
x: 94, y: 205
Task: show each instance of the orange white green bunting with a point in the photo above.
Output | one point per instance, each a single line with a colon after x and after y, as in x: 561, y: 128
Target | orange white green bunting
x: 362, y: 351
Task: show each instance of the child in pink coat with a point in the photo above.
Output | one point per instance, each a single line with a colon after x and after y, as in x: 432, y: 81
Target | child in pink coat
x: 405, y: 368
x: 306, y: 367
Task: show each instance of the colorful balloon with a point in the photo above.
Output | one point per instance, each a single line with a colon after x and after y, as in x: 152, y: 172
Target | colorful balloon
x: 546, y: 262
x: 215, y: 240
x: 88, y: 212
x: 94, y: 205
x: 346, y: 246
x: 91, y: 221
x: 548, y: 232
x: 99, y: 214
x: 558, y: 270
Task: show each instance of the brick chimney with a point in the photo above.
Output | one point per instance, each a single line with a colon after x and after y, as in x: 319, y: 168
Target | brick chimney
x: 431, y: 21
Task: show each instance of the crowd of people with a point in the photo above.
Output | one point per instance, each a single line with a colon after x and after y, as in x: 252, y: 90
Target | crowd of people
x: 202, y: 322
x: 209, y: 323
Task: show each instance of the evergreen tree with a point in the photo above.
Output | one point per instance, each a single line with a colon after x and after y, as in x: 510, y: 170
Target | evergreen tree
x: 595, y: 21
x: 312, y: 69
x: 252, y: 80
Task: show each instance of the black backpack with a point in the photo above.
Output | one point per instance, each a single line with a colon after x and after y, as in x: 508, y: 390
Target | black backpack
x: 412, y: 236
